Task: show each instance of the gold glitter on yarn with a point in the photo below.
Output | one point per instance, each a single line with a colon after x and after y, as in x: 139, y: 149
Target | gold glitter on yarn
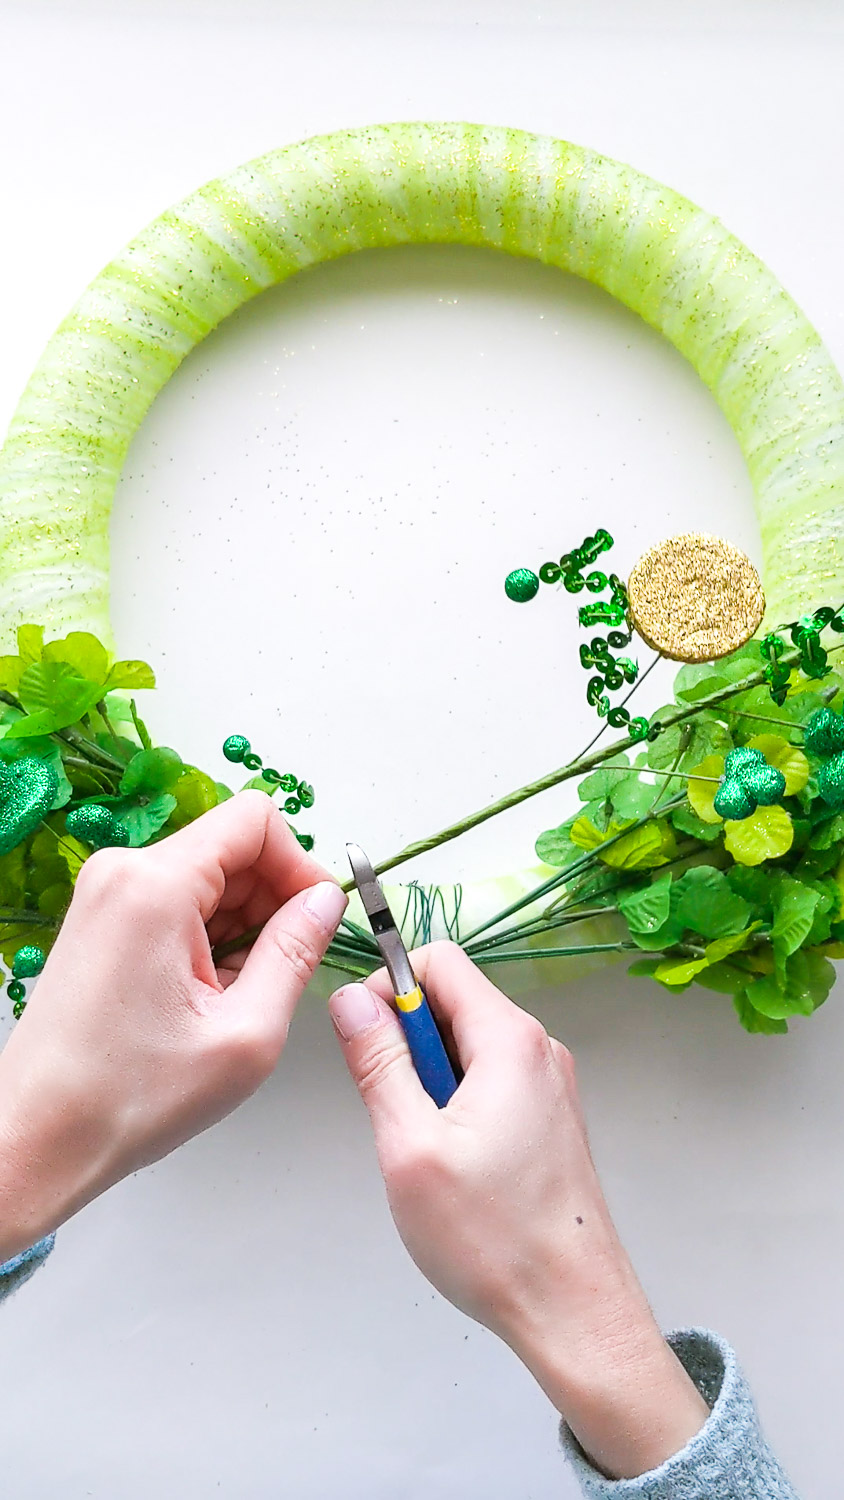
x: 695, y: 597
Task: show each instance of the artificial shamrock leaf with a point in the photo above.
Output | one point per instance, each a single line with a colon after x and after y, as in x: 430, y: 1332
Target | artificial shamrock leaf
x: 701, y: 793
x: 767, y: 834
x: 54, y: 697
x: 674, y: 971
x: 646, y: 908
x: 130, y: 674
x: 687, y: 821
x: 30, y: 643
x: 82, y: 652
x: 827, y: 833
x: 11, y: 668
x: 152, y: 771
x: 644, y: 848
x: 788, y: 759
x: 794, y: 907
x: 683, y: 745
x: 599, y: 787
x: 753, y: 1020
x: 807, y: 980
x: 706, y: 904
x: 195, y: 793
x: 143, y: 817
x: 554, y: 846
x: 633, y: 798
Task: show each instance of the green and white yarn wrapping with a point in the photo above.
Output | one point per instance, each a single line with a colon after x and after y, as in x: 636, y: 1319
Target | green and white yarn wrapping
x: 666, y: 259
x: 669, y: 261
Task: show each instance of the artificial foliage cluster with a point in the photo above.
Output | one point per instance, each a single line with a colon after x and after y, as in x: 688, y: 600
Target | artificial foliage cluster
x: 79, y: 772
x: 751, y: 905
x: 714, y: 857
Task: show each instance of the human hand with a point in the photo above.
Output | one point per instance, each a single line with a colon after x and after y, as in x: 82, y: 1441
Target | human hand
x: 497, y: 1199
x: 134, y: 1041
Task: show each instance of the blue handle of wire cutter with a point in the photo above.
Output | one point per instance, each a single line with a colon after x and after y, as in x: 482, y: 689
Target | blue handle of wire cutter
x: 430, y: 1058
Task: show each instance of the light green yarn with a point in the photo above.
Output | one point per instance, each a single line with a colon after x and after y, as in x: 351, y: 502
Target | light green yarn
x: 529, y: 195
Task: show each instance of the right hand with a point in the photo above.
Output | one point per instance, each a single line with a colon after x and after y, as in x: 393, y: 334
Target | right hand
x: 497, y: 1199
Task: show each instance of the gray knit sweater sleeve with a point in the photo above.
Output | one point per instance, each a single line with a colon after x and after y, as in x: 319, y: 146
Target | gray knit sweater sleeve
x: 14, y: 1272
x: 727, y: 1460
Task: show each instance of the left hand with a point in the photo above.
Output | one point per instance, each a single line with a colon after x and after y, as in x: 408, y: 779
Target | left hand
x: 133, y: 1041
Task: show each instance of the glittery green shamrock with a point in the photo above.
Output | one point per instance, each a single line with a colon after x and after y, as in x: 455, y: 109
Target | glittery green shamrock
x: 748, y: 782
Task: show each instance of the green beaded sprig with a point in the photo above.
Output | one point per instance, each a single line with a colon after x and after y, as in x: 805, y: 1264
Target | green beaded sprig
x: 27, y: 963
x: 610, y: 672
x: 748, y: 782
x: 238, y: 750
x: 805, y: 634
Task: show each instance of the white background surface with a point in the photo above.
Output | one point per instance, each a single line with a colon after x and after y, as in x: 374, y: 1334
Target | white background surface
x: 362, y: 455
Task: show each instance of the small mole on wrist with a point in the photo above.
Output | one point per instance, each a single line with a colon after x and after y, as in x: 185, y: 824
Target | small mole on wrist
x: 578, y: 1220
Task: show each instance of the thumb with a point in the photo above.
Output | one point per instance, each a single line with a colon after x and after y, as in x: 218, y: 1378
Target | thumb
x: 378, y: 1058
x: 286, y: 955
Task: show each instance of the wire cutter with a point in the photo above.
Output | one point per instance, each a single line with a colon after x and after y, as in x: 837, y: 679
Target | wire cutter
x: 430, y: 1058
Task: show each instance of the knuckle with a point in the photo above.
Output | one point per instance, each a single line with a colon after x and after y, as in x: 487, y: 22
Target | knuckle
x: 562, y: 1057
x: 532, y: 1038
x: 249, y: 1057
x: 376, y: 1064
x: 413, y: 1164
x: 107, y: 872
x: 297, y: 953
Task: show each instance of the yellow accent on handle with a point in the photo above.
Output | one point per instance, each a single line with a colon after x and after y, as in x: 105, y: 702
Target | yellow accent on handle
x: 411, y: 1001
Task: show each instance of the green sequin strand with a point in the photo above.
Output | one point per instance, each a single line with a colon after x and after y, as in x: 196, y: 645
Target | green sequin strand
x: 238, y: 749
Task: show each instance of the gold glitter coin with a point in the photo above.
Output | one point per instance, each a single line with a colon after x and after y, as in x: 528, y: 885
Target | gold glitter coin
x: 695, y: 597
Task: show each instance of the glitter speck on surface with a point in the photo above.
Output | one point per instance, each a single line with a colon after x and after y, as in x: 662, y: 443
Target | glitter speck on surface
x: 695, y: 597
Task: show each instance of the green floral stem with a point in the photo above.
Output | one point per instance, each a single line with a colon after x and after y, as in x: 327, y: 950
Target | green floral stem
x: 534, y: 929
x: 578, y: 767
x: 18, y: 918
x: 520, y: 954
x: 591, y: 857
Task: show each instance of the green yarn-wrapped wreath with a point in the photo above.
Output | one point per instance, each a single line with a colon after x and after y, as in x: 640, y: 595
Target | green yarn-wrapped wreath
x: 666, y: 259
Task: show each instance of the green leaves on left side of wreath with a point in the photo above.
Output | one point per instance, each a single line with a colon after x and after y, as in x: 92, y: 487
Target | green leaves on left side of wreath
x: 58, y: 683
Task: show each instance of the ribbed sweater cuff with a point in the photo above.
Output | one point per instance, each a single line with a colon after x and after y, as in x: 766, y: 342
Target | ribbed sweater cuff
x: 727, y: 1460
x: 14, y: 1272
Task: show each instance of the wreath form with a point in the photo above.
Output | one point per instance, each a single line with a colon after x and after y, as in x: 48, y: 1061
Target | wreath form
x: 655, y: 251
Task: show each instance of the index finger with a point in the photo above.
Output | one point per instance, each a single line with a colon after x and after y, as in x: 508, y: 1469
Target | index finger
x: 247, y: 832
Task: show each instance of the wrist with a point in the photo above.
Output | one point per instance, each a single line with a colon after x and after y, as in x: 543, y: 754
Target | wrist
x: 44, y: 1173
x: 600, y: 1357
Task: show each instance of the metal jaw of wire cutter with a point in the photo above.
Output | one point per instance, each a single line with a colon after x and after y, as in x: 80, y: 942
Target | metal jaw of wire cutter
x: 423, y: 1038
x: 382, y: 922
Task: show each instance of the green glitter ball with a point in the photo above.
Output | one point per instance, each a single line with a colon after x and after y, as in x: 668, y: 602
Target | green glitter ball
x: 16, y: 993
x: 521, y: 585
x: 96, y: 825
x: 824, y: 733
x: 732, y: 802
x: 236, y: 748
x: 765, y: 784
x: 831, y: 781
x: 740, y: 760
x: 28, y: 961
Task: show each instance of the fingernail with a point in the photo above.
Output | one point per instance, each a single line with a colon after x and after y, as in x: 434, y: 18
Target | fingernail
x: 326, y: 903
x: 353, y: 1010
